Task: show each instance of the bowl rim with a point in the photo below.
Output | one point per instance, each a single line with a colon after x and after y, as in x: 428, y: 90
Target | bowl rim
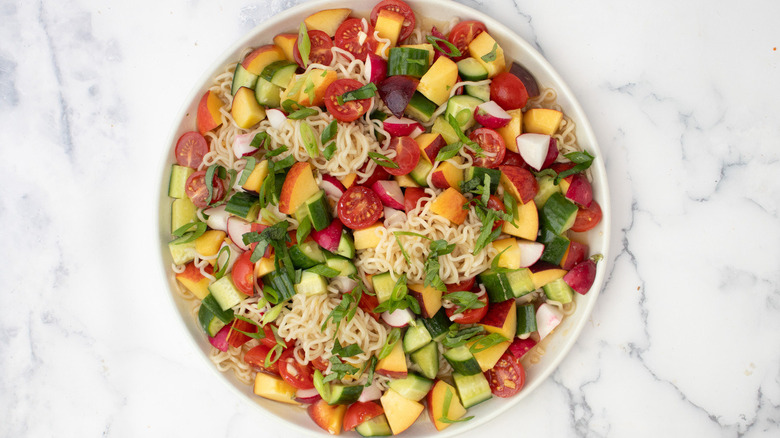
x: 573, y: 110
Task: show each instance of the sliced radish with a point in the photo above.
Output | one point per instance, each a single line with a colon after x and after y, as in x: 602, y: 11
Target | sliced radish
x: 376, y: 68
x: 533, y: 148
x: 220, y: 340
x: 343, y: 284
x: 217, y: 218
x: 307, y: 396
x: 417, y: 131
x: 394, y: 217
x: 400, y: 127
x: 242, y: 145
x: 332, y: 187
x: 370, y: 393
x: 236, y: 228
x: 329, y: 237
x: 530, y: 252
x: 491, y: 115
x: 398, y: 318
x: 547, y: 318
x: 390, y: 193
x: 276, y: 118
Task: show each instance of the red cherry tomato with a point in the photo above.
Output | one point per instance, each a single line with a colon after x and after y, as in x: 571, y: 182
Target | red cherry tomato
x: 470, y: 316
x: 463, y: 33
x: 359, y: 207
x: 320, y: 364
x: 190, y: 149
x: 270, y: 340
x: 492, y: 144
x: 350, y: 110
x: 196, y: 189
x: 587, y: 217
x: 508, y: 91
x: 235, y: 337
x: 495, y: 203
x: 359, y: 412
x: 348, y: 38
x: 255, y: 358
x: 380, y: 174
x: 297, y: 375
x: 368, y: 303
x: 320, y: 49
x: 407, y: 155
x: 466, y: 284
x: 243, y: 273
x: 398, y: 7
x: 411, y: 196
x: 507, y: 377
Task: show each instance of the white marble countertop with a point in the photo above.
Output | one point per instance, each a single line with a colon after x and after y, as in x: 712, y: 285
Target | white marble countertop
x: 684, y: 99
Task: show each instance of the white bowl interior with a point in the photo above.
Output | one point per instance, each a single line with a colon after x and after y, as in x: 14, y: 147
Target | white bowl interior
x: 556, y: 346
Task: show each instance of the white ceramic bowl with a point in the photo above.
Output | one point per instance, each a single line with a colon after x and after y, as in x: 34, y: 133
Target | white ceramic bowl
x: 517, y: 49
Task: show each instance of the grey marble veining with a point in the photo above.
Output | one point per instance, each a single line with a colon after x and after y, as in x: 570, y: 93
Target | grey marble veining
x: 685, y: 103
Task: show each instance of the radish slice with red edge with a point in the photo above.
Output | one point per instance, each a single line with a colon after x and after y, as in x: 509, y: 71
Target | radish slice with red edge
x: 370, y: 393
x: 220, y: 340
x: 400, y: 127
x: 276, y: 118
x: 533, y: 148
x: 530, y: 252
x: 394, y: 217
x: 236, y: 228
x: 376, y: 68
x: 390, y: 193
x: 332, y: 187
x: 307, y: 396
x: 547, y: 318
x: 217, y: 218
x: 491, y: 115
x: 398, y: 318
x: 242, y: 145
x: 329, y: 237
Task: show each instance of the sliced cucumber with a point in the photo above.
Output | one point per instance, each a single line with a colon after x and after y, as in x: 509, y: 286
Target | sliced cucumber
x: 427, y: 358
x: 555, y: 246
x: 502, y: 286
x: 242, y: 78
x: 346, y: 245
x: 558, y: 291
x: 420, y: 107
x: 462, y: 108
x: 438, y: 325
x: 318, y: 211
x: 407, y: 61
x: 279, y: 73
x: 267, y: 94
x: 306, y: 255
x: 226, y: 293
x: 178, y: 180
x: 547, y: 188
x: 213, y: 306
x: 420, y: 173
x: 462, y: 360
x: 183, y: 211
x: 413, y: 387
x: 473, y: 389
x: 558, y: 213
x: 344, y: 394
x: 182, y: 252
x: 416, y: 337
x: 210, y: 323
x: 481, y: 92
x: 526, y: 319
x: 341, y: 264
x: 383, y: 286
x: 470, y: 69
x: 479, y: 173
x: 311, y: 284
x: 245, y: 205
x: 377, y: 426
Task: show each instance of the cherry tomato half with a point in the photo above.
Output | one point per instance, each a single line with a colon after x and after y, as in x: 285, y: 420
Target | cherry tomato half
x: 350, y: 110
x: 463, y: 33
x: 407, y: 155
x: 320, y: 49
x: 466, y: 285
x: 348, y: 38
x: 470, y: 316
x: 587, y: 217
x: 359, y: 412
x: 508, y: 91
x: 270, y: 340
x: 196, y: 189
x: 492, y: 144
x: 297, y: 375
x: 507, y: 377
x: 236, y: 338
x: 368, y: 303
x: 380, y: 174
x: 243, y: 273
x: 320, y: 364
x: 399, y: 7
x: 190, y: 149
x: 495, y: 203
x: 359, y: 207
x: 256, y: 356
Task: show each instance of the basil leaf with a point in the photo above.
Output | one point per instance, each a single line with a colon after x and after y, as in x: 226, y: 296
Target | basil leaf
x: 370, y: 367
x: 251, y: 162
x: 449, y: 49
x: 329, y: 132
x: 259, y: 140
x: 449, y: 151
x: 304, y: 229
x: 446, y: 409
x: 324, y: 270
x: 453, y: 122
x: 460, y: 337
x: 392, y: 338
x: 410, y: 233
x: 383, y: 160
x: 284, y: 163
x: 304, y: 44
x: 464, y: 301
x: 364, y: 92
x: 490, y: 57
x: 486, y: 342
x: 180, y: 232
x: 302, y: 113
x: 346, y: 351
x: 289, y: 105
x: 329, y: 150
x: 583, y: 161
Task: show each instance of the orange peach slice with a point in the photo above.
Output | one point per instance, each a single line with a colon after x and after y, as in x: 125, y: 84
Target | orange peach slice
x: 208, y: 116
x: 450, y: 205
x: 299, y: 185
x: 261, y: 57
x: 327, y: 20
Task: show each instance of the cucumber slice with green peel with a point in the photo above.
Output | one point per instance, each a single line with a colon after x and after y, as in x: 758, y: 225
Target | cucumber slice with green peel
x: 383, y: 286
x: 416, y: 337
x: 226, y: 293
x: 306, y: 255
x: 547, y: 188
x: 420, y: 107
x: 344, y: 394
x: 245, y: 205
x: 558, y: 213
x: 526, y: 319
x: 502, y: 286
x: 346, y: 245
x: 441, y: 127
x: 470, y: 69
x: 420, y: 173
x: 182, y: 253
x: 318, y: 211
x: 408, y: 61
x: 427, y: 359
x: 311, y: 284
x: 462, y: 361
x: 377, y: 426
x: 279, y: 73
x: 213, y: 306
x: 462, y: 108
x: 473, y: 389
x: 479, y: 173
x: 183, y: 212
x: 341, y: 264
x: 210, y: 323
x: 520, y: 282
x: 178, y: 180
x: 558, y: 291
x: 267, y: 94
x: 438, y: 325
x: 242, y: 78
x: 412, y: 387
x: 481, y: 92
x: 555, y: 246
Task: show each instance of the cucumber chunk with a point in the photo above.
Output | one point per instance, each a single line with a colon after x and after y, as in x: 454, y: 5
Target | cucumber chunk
x: 558, y: 213
x: 311, y: 284
x: 183, y: 211
x: 558, y: 291
x: 462, y: 108
x: 210, y: 323
x: 377, y: 426
x: 470, y: 69
x: 526, y: 319
x: 341, y: 264
x: 178, y: 180
x: 413, y: 387
x: 555, y: 246
x: 473, y: 389
x: 438, y: 325
x: 481, y: 92
x: 383, y: 286
x: 242, y: 78
x: 415, y: 338
x: 420, y: 107
x: 462, y: 361
x: 547, y: 188
x: 408, y: 61
x: 245, y: 205
x: 318, y: 211
x: 213, y: 306
x: 346, y: 245
x: 306, y: 255
x: 427, y: 359
x: 279, y: 73
x: 267, y: 94
x: 182, y: 252
x: 226, y: 293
